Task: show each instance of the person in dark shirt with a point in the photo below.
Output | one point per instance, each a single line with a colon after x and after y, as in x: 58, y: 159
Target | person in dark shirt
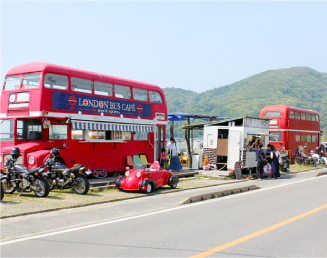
x: 260, y: 159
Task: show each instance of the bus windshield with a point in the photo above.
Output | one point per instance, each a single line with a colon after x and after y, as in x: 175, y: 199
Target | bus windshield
x: 29, y: 129
x: 6, y: 129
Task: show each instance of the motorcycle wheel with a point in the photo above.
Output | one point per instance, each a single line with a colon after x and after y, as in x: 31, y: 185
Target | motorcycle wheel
x: 322, y: 163
x: 312, y: 162
x: 297, y: 161
x: 81, y: 185
x: 51, y: 184
x: 42, y: 186
x: 7, y: 187
x: 2, y: 191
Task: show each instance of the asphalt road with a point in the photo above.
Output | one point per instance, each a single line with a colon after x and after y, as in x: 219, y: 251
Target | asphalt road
x: 224, y: 225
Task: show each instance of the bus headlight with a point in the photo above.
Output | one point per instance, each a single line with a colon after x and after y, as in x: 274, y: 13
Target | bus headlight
x: 31, y: 160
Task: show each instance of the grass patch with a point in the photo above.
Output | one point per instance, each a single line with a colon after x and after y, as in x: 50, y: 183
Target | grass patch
x: 299, y: 168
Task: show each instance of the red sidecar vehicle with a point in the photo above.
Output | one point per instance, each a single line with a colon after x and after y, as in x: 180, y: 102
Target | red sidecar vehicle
x: 146, y: 179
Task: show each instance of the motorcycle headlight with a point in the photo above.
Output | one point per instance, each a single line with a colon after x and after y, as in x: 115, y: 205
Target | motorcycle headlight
x: 127, y: 173
x: 138, y: 174
x: 31, y: 160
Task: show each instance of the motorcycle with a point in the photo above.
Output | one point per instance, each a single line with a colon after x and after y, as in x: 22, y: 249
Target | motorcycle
x: 63, y: 178
x: 19, y: 178
x: 2, y: 176
x: 284, y: 162
x: 317, y: 159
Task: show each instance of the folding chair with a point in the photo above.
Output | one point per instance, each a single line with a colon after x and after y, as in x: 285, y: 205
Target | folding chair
x: 144, y: 160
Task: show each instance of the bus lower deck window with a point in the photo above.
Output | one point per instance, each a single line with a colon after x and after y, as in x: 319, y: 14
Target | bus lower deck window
x: 141, y: 136
x: 7, y: 130
x: 58, y: 132
x: 29, y: 129
x: 78, y: 134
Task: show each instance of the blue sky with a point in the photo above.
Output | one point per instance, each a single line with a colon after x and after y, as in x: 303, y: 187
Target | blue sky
x: 191, y: 45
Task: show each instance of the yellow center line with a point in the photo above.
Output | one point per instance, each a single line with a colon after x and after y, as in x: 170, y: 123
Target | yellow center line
x: 258, y: 233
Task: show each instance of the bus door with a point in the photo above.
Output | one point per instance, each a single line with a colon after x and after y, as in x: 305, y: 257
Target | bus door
x: 159, y: 143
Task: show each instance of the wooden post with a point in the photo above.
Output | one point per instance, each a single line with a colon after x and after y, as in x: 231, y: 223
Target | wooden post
x: 188, y: 145
x: 172, y: 129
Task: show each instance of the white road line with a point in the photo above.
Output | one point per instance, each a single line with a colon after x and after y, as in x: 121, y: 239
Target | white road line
x: 151, y: 213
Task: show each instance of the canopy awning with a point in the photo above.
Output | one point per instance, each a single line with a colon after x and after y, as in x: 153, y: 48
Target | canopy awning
x: 111, y: 126
x: 262, y: 134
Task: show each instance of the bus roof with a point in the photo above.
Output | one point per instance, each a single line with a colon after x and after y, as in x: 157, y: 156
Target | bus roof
x: 52, y: 68
x: 285, y: 108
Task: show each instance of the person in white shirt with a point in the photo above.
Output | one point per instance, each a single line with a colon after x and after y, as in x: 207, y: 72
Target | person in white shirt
x: 175, y: 163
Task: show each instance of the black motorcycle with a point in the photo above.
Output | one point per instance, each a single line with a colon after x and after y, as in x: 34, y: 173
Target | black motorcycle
x: 2, y: 176
x: 63, y: 178
x: 19, y: 178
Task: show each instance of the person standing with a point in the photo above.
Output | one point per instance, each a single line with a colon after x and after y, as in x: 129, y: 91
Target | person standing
x: 175, y: 163
x: 275, y: 163
x: 260, y: 159
x: 268, y: 159
x: 163, y: 158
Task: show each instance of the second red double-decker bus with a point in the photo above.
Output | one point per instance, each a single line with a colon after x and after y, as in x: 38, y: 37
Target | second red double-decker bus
x: 292, y: 127
x: 94, y: 119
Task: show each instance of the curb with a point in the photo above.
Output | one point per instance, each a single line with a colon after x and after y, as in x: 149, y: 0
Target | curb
x: 108, y: 201
x: 218, y: 194
x: 322, y: 173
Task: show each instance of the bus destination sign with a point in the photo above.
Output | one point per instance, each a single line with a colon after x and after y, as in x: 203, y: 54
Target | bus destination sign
x: 91, y: 104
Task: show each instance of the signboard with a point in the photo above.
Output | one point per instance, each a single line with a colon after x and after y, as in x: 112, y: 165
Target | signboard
x: 238, y: 171
x: 91, y: 104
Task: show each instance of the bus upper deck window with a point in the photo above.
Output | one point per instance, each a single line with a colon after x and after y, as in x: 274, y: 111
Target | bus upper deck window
x: 291, y: 114
x: 302, y: 116
x: 31, y: 80
x: 140, y: 94
x: 273, y: 114
x: 12, y: 82
x: 297, y: 115
x: 313, y: 117
x: 56, y: 81
x: 81, y: 85
x: 155, y: 97
x: 308, y: 117
x: 101, y: 88
x: 122, y: 92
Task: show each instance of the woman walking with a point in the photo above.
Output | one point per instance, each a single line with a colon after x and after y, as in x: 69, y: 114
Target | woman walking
x: 175, y: 163
x: 274, y: 162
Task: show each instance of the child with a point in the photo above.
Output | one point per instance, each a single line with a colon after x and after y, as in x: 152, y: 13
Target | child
x: 163, y: 158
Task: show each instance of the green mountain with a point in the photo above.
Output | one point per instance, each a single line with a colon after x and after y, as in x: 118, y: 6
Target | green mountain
x: 300, y: 87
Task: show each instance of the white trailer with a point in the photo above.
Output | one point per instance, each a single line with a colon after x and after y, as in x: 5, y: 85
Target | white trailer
x: 227, y: 142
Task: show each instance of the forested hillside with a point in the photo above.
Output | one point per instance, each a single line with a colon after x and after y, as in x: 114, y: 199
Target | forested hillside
x: 300, y: 87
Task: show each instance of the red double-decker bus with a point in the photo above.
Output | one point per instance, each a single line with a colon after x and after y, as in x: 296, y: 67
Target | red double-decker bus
x: 94, y: 119
x: 292, y: 127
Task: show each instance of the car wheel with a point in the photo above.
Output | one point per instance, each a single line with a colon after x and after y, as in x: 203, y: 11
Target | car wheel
x: 173, y: 186
x: 149, y: 188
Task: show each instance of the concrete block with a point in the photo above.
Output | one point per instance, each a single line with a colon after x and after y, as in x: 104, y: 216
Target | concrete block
x: 218, y: 194
x: 227, y: 192
x: 196, y: 198
x: 251, y: 187
x: 236, y: 190
x: 244, y: 189
x: 185, y: 201
x: 206, y: 196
